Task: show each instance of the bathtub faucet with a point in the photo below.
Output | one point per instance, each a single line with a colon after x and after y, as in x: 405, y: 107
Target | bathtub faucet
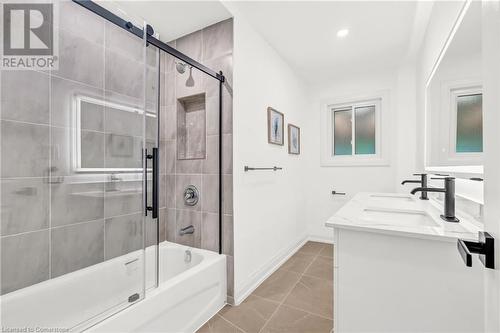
x: 187, y: 230
x: 187, y: 256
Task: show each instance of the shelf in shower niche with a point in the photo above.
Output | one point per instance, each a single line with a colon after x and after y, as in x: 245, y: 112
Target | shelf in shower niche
x: 191, y: 128
x: 100, y: 194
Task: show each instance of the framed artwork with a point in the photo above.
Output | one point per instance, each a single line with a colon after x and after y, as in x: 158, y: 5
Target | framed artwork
x: 275, y: 123
x: 293, y: 139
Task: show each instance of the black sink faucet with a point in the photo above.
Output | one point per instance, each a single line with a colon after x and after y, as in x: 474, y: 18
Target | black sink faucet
x: 422, y: 182
x: 449, y: 197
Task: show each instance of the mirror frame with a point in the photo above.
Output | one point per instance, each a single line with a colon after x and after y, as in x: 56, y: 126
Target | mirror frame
x: 76, y: 133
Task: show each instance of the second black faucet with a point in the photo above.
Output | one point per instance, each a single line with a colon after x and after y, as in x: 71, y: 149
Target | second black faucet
x: 422, y: 182
x: 449, y: 197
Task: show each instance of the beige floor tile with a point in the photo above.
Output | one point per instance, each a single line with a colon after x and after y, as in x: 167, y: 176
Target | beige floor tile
x: 277, y: 286
x: 311, y: 248
x: 327, y: 251
x: 313, y: 295
x: 298, y: 262
x: 321, y: 267
x: 291, y: 320
x: 218, y: 325
x: 251, y: 315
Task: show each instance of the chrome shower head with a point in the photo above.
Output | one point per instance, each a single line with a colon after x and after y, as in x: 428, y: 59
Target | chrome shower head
x: 190, y: 80
x: 181, y: 68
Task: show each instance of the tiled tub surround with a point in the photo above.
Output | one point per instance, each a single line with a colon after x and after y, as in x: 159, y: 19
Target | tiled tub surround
x: 298, y: 297
x: 213, y: 47
x: 53, y: 219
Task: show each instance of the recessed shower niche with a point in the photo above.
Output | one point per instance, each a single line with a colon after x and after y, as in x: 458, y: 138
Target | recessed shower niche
x: 191, y: 129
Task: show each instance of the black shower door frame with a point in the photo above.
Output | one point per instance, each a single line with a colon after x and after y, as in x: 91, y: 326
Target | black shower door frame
x: 150, y: 39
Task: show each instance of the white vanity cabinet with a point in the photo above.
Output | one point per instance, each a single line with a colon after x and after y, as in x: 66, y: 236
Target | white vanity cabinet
x: 402, y: 277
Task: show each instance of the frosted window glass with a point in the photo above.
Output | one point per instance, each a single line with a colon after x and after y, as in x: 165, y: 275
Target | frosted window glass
x: 364, y: 130
x: 342, y: 124
x: 469, y: 124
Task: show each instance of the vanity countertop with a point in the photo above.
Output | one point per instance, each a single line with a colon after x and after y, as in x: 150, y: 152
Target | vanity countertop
x: 403, y: 215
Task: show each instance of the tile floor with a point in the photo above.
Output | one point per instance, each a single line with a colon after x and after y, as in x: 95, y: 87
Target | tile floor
x: 298, y: 297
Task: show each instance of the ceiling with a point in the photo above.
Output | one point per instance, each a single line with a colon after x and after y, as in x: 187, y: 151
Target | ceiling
x: 304, y: 34
x: 170, y: 19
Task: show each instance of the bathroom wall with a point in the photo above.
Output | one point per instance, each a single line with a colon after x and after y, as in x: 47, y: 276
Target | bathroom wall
x: 269, y: 220
x: 198, y: 131
x: 55, y: 219
x: 351, y: 180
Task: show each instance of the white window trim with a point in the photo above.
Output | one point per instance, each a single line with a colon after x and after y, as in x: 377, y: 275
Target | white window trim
x: 382, y: 112
x: 449, y: 90
x: 454, y: 92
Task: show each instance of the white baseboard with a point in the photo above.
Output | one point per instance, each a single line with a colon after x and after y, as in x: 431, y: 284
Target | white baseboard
x: 320, y: 239
x: 266, y: 270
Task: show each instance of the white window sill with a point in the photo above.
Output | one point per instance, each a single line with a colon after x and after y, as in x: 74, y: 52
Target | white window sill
x: 354, y: 161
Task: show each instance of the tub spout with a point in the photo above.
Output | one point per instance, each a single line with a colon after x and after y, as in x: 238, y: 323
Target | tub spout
x: 187, y: 230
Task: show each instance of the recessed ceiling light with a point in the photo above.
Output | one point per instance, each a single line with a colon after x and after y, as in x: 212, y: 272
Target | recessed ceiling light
x: 342, y: 33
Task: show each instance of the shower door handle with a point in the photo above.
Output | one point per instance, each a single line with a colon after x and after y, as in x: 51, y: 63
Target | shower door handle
x: 154, y: 204
x: 156, y: 180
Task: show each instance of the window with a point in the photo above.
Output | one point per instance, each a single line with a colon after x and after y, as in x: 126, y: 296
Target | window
x: 342, y: 132
x: 353, y: 131
x: 469, y: 124
x: 358, y: 132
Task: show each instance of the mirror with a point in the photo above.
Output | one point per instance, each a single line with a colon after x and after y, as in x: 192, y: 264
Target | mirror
x: 453, y: 114
x: 108, y: 136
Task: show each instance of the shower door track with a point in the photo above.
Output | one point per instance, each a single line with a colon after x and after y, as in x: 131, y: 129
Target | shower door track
x: 130, y: 27
x: 127, y: 25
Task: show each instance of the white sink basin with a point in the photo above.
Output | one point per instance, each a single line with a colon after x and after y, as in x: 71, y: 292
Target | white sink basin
x: 391, y: 198
x: 398, y: 217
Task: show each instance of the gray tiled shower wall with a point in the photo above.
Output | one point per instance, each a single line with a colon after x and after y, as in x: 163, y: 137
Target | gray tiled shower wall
x: 55, y: 220
x: 213, y: 47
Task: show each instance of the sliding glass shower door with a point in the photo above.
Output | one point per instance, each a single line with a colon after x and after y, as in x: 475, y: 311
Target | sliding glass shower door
x: 78, y: 146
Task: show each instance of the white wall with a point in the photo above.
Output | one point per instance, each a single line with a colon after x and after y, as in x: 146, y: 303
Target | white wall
x: 269, y: 214
x: 321, y: 204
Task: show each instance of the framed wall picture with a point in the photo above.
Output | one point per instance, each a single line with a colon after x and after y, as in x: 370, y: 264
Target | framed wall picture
x: 275, y: 123
x: 293, y: 139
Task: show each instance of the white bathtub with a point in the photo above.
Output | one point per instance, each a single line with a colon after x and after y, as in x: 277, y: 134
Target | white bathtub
x: 187, y: 296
